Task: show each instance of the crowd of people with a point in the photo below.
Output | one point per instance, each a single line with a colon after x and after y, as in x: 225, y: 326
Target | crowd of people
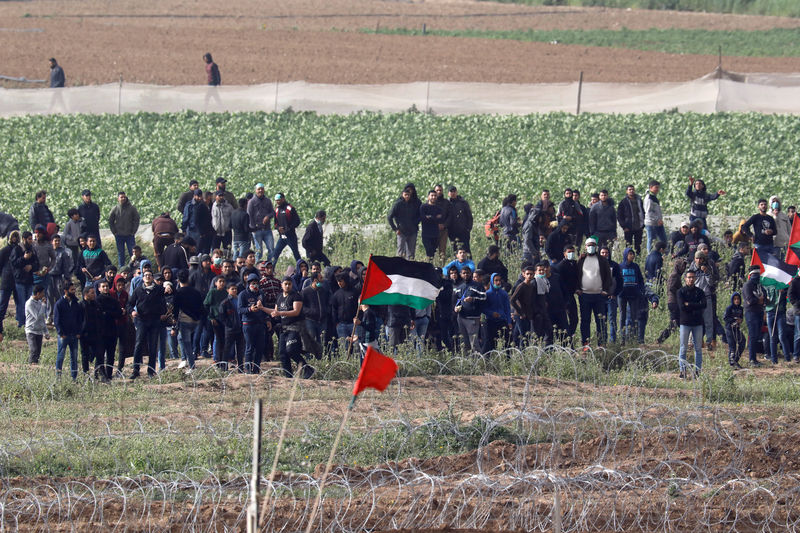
x: 211, y: 289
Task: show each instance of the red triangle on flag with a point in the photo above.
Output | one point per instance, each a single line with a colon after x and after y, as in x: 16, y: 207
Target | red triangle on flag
x: 794, y: 240
x: 377, y: 371
x: 375, y: 281
x: 792, y: 256
x: 756, y: 260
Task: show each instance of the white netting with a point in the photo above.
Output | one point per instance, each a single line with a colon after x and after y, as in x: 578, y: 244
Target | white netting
x: 718, y: 91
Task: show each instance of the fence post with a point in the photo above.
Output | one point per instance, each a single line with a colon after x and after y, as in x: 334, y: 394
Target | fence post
x: 119, y: 96
x: 580, y: 89
x: 252, y: 501
x: 276, y: 96
x: 428, y: 98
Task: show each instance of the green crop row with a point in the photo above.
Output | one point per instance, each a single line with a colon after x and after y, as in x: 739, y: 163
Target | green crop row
x: 783, y: 8
x: 777, y: 42
x: 355, y: 166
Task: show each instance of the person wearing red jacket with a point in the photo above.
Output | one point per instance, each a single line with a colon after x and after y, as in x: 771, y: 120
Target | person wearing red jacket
x: 286, y: 221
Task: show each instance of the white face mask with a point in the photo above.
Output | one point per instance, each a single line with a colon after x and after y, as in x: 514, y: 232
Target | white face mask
x: 571, y: 256
x: 591, y: 250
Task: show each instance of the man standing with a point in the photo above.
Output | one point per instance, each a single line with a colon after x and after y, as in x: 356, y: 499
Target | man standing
x: 124, y: 222
x: 567, y: 271
x: 594, y: 289
x: 444, y: 205
x: 653, y: 218
x: 221, y: 212
x: 289, y: 310
x: 459, y: 222
x: 602, y: 219
x: 286, y: 222
x: 222, y: 186
x: 197, y: 222
x: 691, y: 303
x: 164, y: 230
x: 240, y: 226
x: 783, y: 226
x: 24, y: 263
x: 187, y: 196
x: 630, y: 214
x: 253, y: 313
x: 35, y: 313
x: 764, y: 229
x: 69, y: 323
x: 189, y: 311
x: 90, y: 214
x: 212, y: 70
x: 57, y: 78
x: 403, y: 218
x: 260, y: 210
x: 754, y: 299
x: 432, y: 219
x: 146, y: 306
x: 312, y: 239
x: 39, y: 213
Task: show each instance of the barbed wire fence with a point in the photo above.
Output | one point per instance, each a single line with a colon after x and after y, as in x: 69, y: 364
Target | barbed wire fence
x: 619, y: 457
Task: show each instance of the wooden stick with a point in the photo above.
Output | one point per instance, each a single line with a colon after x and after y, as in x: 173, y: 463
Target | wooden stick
x: 328, y: 466
x: 265, y: 503
x: 252, y: 504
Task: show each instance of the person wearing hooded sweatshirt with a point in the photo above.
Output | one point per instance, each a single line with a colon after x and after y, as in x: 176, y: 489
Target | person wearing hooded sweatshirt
x: 655, y: 262
x: 316, y: 302
x: 344, y: 306
x: 530, y: 239
x: 92, y: 261
x: 557, y: 240
x: 470, y: 296
x: 673, y: 284
x: 509, y: 220
x: 653, y: 217
x: 35, y: 326
x: 567, y: 271
x: 699, y: 198
x: 697, y: 235
x: 631, y: 218
x: 229, y: 317
x: 221, y: 212
x: 754, y: 299
x: 735, y: 267
x: 404, y: 218
x: 7, y: 286
x: 146, y: 306
x: 68, y: 320
x: 594, y: 290
x: 497, y: 311
x: 783, y: 226
x: 187, y: 305
x: 300, y: 275
x: 24, y: 263
x: 573, y: 212
x: 556, y: 304
x: 691, y: 302
x: 431, y: 217
x: 109, y: 314
x: 91, y: 330
x: 603, y: 219
x: 706, y: 279
x: 630, y: 293
x: 733, y: 318
x: 196, y: 222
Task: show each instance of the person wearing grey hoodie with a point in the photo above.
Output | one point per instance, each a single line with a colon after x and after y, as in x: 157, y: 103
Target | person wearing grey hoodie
x: 782, y: 223
x: 603, y: 219
x: 653, y: 217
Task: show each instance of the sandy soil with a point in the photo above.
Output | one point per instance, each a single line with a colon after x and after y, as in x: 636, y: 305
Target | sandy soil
x: 317, y: 41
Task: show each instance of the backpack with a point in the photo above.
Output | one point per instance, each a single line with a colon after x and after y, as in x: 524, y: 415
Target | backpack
x: 492, y: 227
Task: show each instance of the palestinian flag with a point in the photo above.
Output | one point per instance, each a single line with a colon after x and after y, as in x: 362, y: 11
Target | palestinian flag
x: 793, y: 252
x: 773, y: 270
x: 396, y: 281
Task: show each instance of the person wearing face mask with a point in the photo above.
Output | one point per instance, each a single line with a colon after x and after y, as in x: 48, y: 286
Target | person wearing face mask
x: 497, y: 311
x: 594, y: 289
x: 764, y: 229
x: 783, y: 226
x: 754, y: 299
x: 567, y: 271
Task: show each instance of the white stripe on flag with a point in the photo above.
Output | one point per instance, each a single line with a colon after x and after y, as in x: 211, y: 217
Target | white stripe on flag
x: 412, y: 286
x: 777, y: 274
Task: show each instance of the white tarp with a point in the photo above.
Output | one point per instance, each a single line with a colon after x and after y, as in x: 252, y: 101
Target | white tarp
x: 718, y: 91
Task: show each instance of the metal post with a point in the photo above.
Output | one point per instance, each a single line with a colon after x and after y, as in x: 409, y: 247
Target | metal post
x: 580, y: 89
x: 428, y: 98
x: 424, y: 28
x: 276, y: 96
x: 119, y: 96
x: 252, y: 501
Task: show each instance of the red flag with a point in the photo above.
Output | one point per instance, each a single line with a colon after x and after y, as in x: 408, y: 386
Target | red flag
x: 377, y: 371
x: 793, y: 250
x: 755, y: 259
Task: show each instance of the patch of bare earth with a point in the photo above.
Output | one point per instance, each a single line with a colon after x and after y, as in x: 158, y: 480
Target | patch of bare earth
x: 318, y: 41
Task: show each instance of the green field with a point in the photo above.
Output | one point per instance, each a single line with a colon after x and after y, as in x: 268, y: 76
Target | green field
x: 354, y: 166
x: 783, y: 8
x: 778, y: 42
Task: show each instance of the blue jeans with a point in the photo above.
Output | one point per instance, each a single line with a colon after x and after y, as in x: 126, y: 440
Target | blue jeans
x: 70, y: 341
x: 122, y: 241
x: 629, y: 310
x: 420, y: 331
x: 776, y: 327
x: 796, y: 336
x: 24, y: 293
x: 239, y: 248
x: 263, y: 236
x: 766, y: 248
x: 697, y: 338
x: 593, y: 304
x: 611, y: 316
x: 289, y: 240
x: 255, y: 338
x: 753, y: 321
x: 188, y: 333
x: 655, y: 234
x: 5, y: 297
x: 315, y: 329
x: 345, y: 329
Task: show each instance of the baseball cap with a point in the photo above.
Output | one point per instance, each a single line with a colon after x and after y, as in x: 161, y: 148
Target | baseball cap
x: 252, y: 277
x: 279, y: 196
x: 198, y: 192
x: 194, y: 260
x: 86, y: 192
x: 222, y: 180
x: 260, y: 186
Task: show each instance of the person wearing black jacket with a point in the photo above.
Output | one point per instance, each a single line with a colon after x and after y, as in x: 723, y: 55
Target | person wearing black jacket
x: 240, y: 224
x: 568, y: 276
x: 753, y: 299
x: 253, y: 310
x: 230, y: 319
x: 7, y: 285
x: 312, y: 239
x: 459, y: 225
x: 196, y: 222
x: 146, y: 306
x: 443, y: 204
x: 90, y: 333
x: 735, y: 267
x: 39, y: 212
x: 691, y: 303
x: 190, y: 314
x: 399, y: 320
x: 469, y: 297
x: 630, y: 215
x: 289, y: 310
x: 93, y: 260
x: 90, y: 214
x: 176, y: 255
x: 108, y: 311
x: 68, y: 320
x: 491, y: 264
x: 404, y: 218
x: 344, y: 306
x: 734, y: 316
x: 764, y: 229
x: 557, y: 240
x: 315, y: 307
x: 24, y: 262
x: 442, y: 325
x: 286, y: 222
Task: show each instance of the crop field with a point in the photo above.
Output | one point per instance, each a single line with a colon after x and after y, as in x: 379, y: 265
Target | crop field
x: 355, y: 166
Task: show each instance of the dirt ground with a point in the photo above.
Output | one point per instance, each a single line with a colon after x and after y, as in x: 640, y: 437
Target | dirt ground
x: 162, y: 42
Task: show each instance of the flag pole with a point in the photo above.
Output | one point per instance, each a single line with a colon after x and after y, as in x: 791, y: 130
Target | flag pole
x: 265, y: 503
x: 358, y: 307
x: 328, y: 465
x: 252, y: 505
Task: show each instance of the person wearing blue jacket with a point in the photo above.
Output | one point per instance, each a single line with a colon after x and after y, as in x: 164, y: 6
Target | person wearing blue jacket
x: 462, y: 260
x: 616, y: 287
x: 253, y: 312
x: 630, y: 293
x: 654, y: 263
x: 68, y: 320
x: 497, y: 311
